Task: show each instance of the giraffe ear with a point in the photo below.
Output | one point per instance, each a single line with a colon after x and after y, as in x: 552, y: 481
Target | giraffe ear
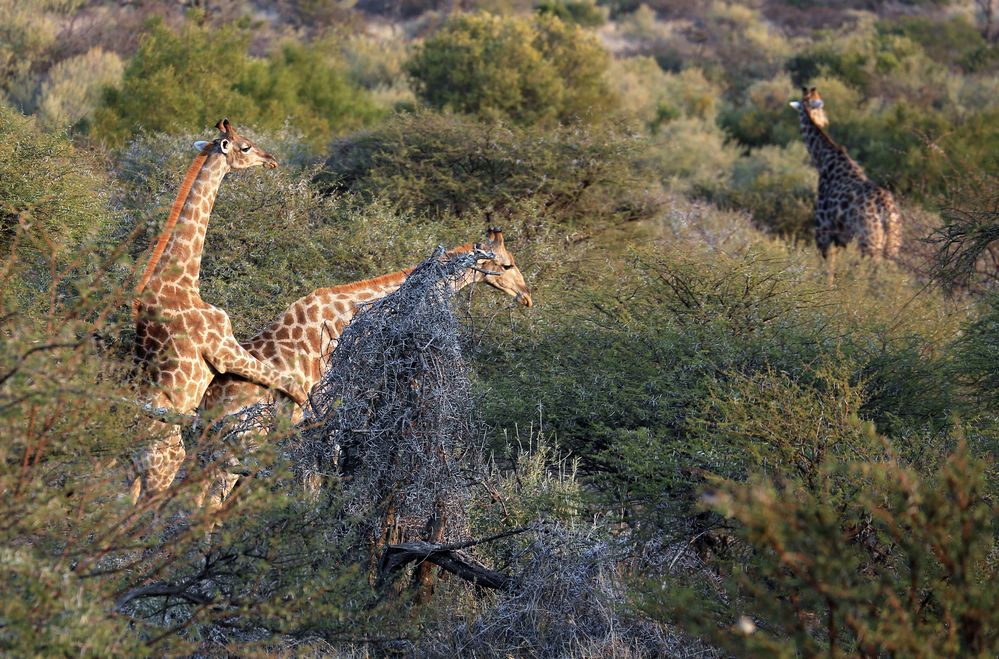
x: 200, y: 145
x: 795, y: 104
x: 224, y: 145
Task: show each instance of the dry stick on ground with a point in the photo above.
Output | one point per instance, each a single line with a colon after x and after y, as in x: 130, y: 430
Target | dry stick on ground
x: 449, y: 558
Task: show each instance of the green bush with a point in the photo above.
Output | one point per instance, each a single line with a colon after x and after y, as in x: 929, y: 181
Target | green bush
x: 28, y: 29
x: 530, y: 72
x: 776, y: 185
x: 868, y: 556
x: 303, y: 85
x: 977, y: 356
x: 954, y: 41
x: 623, y: 369
x: 73, y: 87
x: 745, y: 46
x: 52, y: 199
x: 580, y: 12
x: 439, y: 165
x: 691, y: 154
x: 177, y: 82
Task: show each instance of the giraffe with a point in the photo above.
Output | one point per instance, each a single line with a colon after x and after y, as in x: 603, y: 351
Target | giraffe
x: 182, y: 342
x: 848, y: 204
x: 300, y: 341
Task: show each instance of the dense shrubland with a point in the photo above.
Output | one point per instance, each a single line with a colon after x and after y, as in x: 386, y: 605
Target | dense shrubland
x: 691, y: 444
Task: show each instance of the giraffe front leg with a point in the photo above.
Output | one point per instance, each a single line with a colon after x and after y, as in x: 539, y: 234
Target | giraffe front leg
x: 158, y: 465
x: 230, y: 357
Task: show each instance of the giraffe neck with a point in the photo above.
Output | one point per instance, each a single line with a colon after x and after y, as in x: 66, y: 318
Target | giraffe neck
x: 378, y: 287
x: 180, y: 263
x: 826, y: 154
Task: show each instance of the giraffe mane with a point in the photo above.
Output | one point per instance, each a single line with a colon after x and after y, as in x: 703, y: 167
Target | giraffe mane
x: 364, y: 284
x: 178, y: 206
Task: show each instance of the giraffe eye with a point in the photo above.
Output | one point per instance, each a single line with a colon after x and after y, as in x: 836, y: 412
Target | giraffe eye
x: 244, y: 148
x: 507, y: 266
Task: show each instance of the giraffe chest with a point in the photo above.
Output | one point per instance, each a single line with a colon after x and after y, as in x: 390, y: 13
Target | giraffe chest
x: 169, y: 346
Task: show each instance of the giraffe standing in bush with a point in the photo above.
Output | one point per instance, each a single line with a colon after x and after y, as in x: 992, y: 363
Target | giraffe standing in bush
x: 182, y: 342
x: 300, y: 341
x: 849, y: 205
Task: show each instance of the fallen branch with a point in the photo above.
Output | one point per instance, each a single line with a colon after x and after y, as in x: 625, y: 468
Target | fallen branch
x: 449, y: 558
x: 182, y: 591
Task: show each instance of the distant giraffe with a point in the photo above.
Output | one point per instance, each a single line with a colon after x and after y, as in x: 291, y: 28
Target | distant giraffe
x: 848, y: 204
x: 300, y: 341
x: 182, y: 342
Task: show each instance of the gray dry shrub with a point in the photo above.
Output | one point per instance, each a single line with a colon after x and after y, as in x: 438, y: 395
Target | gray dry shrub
x: 394, y: 409
x: 570, y: 601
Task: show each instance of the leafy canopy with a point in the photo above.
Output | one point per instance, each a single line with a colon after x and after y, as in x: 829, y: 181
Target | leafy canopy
x: 529, y: 71
x: 179, y: 81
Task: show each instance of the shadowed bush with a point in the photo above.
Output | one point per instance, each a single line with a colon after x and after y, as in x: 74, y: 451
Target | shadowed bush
x: 438, y: 164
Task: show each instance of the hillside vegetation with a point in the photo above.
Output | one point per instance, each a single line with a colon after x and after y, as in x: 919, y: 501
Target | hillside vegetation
x: 691, y: 444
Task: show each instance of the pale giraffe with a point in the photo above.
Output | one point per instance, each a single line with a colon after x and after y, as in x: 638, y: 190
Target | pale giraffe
x: 300, y: 341
x: 849, y: 205
x: 182, y: 342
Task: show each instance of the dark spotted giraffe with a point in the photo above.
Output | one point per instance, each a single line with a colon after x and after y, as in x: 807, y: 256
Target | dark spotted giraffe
x: 182, y: 342
x: 849, y: 205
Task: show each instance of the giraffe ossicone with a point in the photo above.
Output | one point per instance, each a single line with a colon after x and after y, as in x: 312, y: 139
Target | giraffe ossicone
x: 182, y: 342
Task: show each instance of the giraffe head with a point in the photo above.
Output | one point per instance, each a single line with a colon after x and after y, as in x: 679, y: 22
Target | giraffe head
x: 239, y: 151
x: 510, y: 279
x: 813, y: 106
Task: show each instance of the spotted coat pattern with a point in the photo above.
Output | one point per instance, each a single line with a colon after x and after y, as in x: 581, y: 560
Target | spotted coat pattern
x: 300, y: 341
x: 182, y: 342
x: 849, y: 205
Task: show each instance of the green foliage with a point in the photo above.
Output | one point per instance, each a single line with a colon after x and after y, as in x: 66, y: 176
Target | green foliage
x: 439, y: 164
x: 179, y: 81
x: 745, y: 45
x: 869, y: 557
x: 27, y: 30
x: 622, y: 371
x: 73, y: 87
x: 692, y: 154
x: 977, y: 356
x: 580, y: 12
x: 776, y: 185
x: 954, y: 41
x: 301, y: 84
x: 530, y: 72
x: 51, y: 200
